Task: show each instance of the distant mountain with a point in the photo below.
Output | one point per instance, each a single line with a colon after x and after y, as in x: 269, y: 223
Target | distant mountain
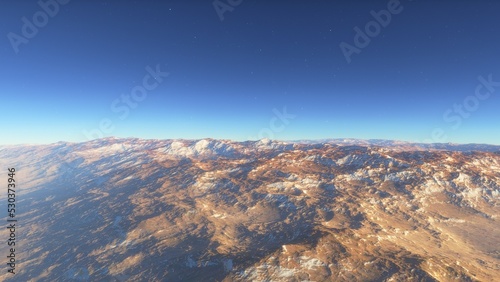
x: 217, y: 210
x: 406, y: 145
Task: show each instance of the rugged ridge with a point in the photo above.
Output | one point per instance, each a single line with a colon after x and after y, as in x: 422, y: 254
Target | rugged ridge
x: 216, y: 210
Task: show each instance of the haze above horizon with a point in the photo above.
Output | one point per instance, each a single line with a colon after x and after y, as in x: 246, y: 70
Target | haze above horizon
x: 247, y: 70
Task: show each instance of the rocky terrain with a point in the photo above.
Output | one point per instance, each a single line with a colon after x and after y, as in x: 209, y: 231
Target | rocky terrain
x: 217, y: 210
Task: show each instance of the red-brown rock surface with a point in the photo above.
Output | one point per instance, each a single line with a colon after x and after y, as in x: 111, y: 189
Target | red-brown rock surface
x: 212, y: 210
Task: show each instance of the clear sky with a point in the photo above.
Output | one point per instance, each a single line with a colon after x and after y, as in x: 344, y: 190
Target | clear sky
x: 78, y: 70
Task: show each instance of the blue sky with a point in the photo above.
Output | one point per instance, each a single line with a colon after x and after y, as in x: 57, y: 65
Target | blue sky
x: 229, y: 78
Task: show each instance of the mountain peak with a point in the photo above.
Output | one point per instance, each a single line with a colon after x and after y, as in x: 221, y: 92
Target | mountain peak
x: 257, y: 210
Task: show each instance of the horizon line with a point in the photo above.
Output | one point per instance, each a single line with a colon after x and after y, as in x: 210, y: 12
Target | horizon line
x: 318, y: 140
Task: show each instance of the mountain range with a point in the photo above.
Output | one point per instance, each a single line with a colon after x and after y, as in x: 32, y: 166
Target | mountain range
x: 218, y: 210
